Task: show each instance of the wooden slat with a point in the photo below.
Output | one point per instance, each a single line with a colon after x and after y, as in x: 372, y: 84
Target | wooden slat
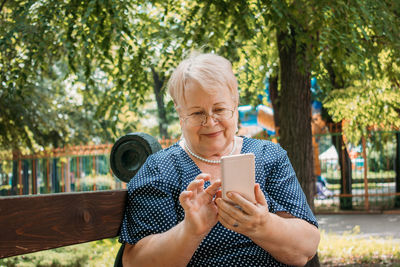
x: 34, y: 223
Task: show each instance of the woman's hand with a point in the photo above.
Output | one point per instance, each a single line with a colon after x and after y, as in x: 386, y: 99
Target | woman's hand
x: 200, y: 209
x: 250, y: 219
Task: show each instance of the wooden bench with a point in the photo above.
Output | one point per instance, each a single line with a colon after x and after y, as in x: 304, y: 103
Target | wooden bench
x: 39, y: 222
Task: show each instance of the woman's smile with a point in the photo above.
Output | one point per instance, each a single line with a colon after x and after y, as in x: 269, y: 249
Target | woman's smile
x: 213, y: 134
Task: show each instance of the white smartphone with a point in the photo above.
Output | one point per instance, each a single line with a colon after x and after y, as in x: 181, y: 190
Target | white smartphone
x: 238, y: 175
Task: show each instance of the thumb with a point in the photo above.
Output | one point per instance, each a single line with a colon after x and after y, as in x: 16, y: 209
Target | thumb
x: 260, y: 197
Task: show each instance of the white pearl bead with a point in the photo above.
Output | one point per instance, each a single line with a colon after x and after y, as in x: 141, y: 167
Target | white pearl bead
x: 208, y: 160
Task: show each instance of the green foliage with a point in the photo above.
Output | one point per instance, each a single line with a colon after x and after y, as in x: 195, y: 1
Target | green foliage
x: 58, y: 64
x: 381, y: 152
x: 347, y: 45
x: 75, y: 72
x: 365, y: 105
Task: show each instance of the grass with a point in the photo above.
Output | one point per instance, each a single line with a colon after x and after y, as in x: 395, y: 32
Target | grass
x: 351, y: 249
x: 334, y: 250
x: 93, y: 254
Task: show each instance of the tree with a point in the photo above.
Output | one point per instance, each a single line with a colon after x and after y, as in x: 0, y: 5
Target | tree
x: 134, y: 47
x: 95, y: 49
x: 305, y: 31
x: 46, y: 47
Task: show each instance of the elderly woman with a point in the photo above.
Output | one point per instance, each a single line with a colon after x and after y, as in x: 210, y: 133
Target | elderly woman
x: 175, y: 215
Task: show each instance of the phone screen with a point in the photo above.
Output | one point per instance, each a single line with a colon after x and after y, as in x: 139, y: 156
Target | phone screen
x: 238, y: 175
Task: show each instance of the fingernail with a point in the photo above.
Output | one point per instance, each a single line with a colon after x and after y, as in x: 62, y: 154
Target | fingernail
x: 229, y: 194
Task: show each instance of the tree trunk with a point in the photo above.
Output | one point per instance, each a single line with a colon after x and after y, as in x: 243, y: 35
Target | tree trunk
x: 14, y: 181
x: 345, y: 171
x: 162, y: 114
x: 295, y: 126
x: 338, y: 142
x: 275, y: 100
x: 397, y: 167
x: 25, y: 177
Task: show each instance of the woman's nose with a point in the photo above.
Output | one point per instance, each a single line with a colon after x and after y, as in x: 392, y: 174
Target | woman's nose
x: 209, y: 120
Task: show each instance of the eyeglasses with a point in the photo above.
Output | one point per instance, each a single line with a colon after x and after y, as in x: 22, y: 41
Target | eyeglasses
x: 200, y: 118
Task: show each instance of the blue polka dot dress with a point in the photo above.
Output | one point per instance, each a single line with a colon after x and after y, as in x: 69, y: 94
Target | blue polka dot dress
x: 153, y: 203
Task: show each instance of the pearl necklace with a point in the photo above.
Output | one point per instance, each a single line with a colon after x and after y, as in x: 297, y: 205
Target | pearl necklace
x: 208, y: 160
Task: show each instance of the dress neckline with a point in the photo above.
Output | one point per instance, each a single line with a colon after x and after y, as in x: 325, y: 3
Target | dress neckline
x: 187, y: 156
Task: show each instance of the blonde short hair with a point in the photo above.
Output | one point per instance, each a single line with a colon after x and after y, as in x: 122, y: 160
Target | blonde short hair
x: 211, y: 71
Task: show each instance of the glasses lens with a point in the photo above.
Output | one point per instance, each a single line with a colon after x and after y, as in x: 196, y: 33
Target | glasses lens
x: 224, y: 114
x: 195, y: 120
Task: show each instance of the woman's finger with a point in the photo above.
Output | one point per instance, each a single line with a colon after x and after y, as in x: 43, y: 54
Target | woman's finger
x: 224, y: 217
x: 196, y: 186
x: 218, y: 194
x: 213, y: 188
x: 247, y: 206
x: 259, y: 194
x: 203, y: 176
x: 184, y: 199
x: 231, y: 211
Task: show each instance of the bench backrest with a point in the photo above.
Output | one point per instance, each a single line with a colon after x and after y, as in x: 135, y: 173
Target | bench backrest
x: 39, y: 222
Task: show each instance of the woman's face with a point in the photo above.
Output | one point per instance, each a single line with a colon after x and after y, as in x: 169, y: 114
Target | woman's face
x: 213, y: 138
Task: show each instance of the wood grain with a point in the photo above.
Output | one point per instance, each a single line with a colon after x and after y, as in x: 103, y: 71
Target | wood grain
x: 34, y: 223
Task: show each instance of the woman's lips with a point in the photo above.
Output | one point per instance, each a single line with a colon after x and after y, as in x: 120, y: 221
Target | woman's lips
x: 215, y: 134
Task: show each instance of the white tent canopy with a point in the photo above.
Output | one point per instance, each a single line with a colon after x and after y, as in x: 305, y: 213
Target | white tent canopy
x: 329, y: 154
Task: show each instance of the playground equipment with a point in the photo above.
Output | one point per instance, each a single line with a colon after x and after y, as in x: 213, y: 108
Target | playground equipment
x: 262, y: 116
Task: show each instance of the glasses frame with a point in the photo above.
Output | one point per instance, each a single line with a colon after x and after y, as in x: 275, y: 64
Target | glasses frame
x: 205, y: 117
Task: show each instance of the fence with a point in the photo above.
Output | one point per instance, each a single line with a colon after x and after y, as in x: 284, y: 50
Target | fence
x: 69, y: 169
x: 363, y: 177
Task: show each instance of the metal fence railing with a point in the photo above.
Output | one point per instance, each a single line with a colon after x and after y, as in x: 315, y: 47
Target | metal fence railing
x: 69, y: 169
x: 361, y: 177
x: 349, y: 177
x: 365, y: 176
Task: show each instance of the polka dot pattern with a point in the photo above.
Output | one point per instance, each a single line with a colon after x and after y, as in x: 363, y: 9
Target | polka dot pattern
x: 153, y: 203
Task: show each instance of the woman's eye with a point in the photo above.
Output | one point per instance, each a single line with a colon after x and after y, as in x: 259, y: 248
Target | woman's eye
x: 219, y: 110
x: 198, y: 113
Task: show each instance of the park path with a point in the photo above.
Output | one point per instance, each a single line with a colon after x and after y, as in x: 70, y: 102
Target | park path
x: 376, y: 225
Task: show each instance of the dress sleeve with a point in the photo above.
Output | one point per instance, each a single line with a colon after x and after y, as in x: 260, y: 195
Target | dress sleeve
x: 284, y: 190
x: 150, y: 207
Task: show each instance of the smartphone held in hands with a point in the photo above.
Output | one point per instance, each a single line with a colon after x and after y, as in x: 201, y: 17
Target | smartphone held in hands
x: 238, y: 175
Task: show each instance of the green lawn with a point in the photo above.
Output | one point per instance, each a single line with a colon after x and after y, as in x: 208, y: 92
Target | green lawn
x: 346, y: 249
x: 349, y: 248
x: 93, y: 254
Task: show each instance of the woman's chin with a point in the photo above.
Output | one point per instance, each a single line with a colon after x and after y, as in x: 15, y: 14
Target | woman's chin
x: 213, y: 148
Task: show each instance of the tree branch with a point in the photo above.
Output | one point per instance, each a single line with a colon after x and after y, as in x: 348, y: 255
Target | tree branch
x: 2, y: 4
